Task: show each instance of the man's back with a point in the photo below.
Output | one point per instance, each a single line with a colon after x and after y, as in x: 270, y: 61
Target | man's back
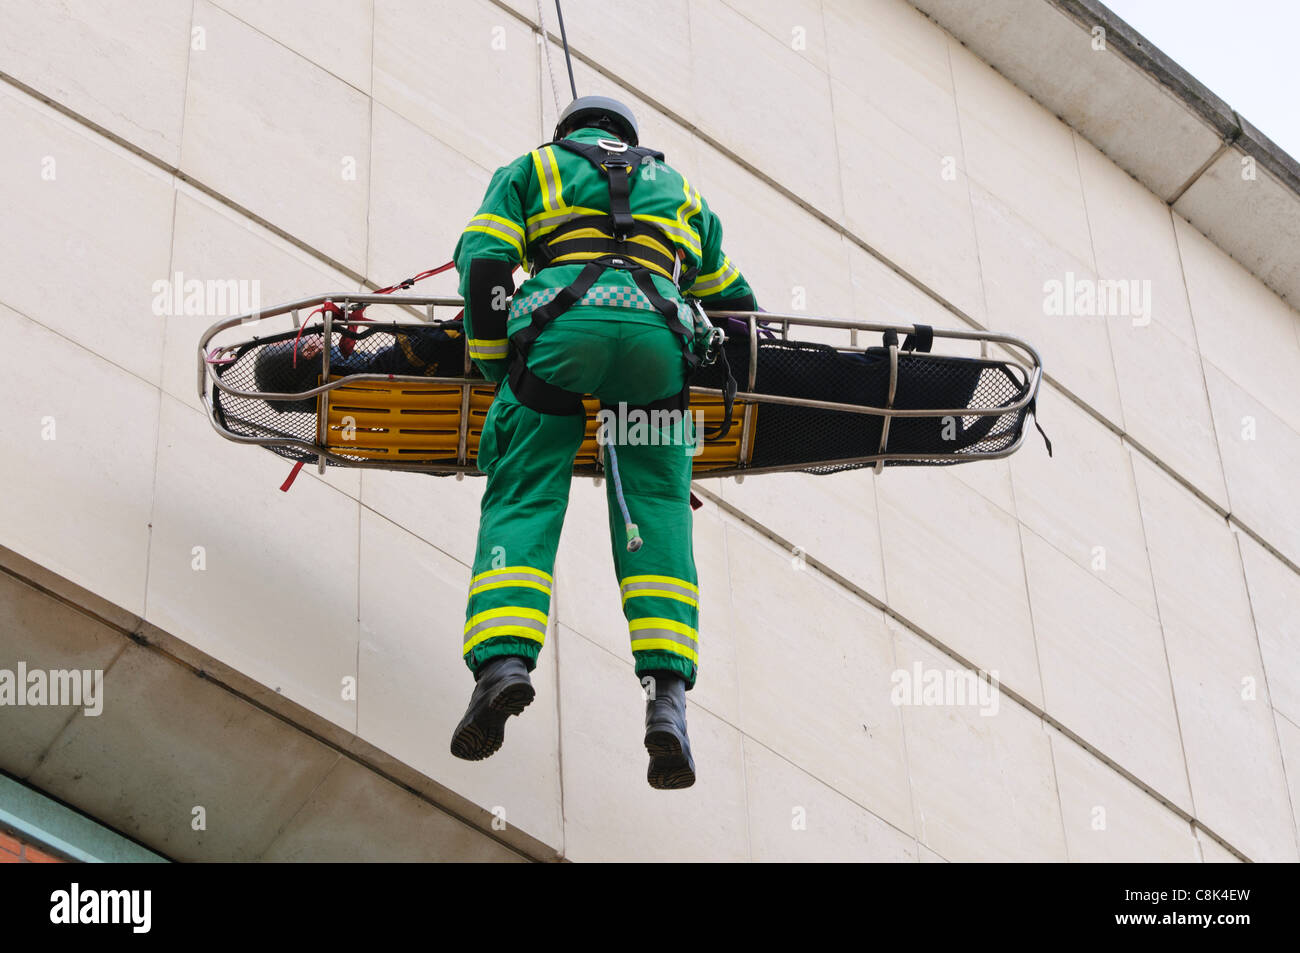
x: 551, y: 191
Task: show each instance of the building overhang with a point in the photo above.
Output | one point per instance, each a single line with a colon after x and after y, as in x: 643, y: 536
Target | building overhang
x: 1150, y: 116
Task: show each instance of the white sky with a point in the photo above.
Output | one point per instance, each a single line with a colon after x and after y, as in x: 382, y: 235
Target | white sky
x: 1243, y: 50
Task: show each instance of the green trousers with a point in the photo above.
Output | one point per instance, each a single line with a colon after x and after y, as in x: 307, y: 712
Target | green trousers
x: 528, y: 458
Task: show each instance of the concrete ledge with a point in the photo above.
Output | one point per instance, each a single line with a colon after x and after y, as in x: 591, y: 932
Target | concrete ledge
x: 1149, y: 115
x: 1134, y: 47
x: 213, y: 727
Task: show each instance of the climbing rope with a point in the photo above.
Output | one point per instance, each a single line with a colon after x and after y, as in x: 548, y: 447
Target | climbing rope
x: 546, y: 49
x: 634, y: 541
x: 564, y: 38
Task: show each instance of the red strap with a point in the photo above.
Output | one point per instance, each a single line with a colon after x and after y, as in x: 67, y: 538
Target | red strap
x: 293, y: 475
x: 347, y: 344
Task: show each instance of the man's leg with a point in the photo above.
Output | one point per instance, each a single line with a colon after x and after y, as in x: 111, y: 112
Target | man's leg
x: 660, y: 597
x: 658, y: 582
x: 528, y: 458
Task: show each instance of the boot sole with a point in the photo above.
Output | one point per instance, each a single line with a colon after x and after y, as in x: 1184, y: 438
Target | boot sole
x: 482, y: 736
x: 670, y: 769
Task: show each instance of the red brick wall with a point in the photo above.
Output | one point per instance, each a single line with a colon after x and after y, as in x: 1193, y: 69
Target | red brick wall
x: 14, y: 850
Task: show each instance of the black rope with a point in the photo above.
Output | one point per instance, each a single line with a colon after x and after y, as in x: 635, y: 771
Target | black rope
x: 564, y: 38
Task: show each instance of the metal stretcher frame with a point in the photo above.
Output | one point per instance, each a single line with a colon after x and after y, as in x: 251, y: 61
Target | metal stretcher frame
x: 1022, y: 356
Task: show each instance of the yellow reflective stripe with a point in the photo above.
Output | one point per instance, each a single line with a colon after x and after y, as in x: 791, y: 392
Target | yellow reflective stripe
x: 510, y: 620
x: 548, y: 173
x: 497, y: 232
x: 692, y: 204
x: 543, y: 178
x: 715, y: 282
x: 543, y: 223
x: 582, y: 233
x: 662, y: 587
x: 523, y: 612
x: 662, y: 594
x: 409, y: 352
x: 511, y: 584
x: 497, y: 631
x: 529, y: 570
x: 590, y: 255
x: 555, y: 173
x: 646, y: 241
x: 667, y: 645
x: 486, y: 217
x: 681, y: 235
x: 689, y: 209
x: 672, y: 580
x: 540, y: 587
x: 663, y: 625
x: 650, y: 243
x: 486, y: 348
x: 557, y: 217
x: 666, y: 634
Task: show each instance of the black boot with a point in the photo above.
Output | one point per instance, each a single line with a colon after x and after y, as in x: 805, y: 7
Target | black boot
x: 501, y: 689
x: 671, y: 765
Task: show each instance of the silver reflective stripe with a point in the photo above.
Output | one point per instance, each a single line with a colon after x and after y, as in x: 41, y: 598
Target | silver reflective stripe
x: 509, y: 577
x: 545, y: 160
x: 537, y: 574
x: 485, y: 348
x: 638, y: 588
x: 671, y: 635
x: 501, y: 620
x: 681, y: 235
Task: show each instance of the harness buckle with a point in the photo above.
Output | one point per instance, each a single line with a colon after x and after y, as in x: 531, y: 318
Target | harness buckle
x: 709, y: 337
x: 713, y: 342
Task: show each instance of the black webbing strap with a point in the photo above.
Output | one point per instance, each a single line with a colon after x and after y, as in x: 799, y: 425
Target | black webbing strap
x: 617, y: 168
x: 619, y: 173
x: 568, y: 296
x: 669, y: 310
x: 533, y: 392
x: 921, y: 340
x: 557, y: 246
x: 546, y: 398
x: 728, y: 400
x: 1033, y: 409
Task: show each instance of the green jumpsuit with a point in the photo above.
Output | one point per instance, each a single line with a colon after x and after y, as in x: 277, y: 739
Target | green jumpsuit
x: 613, y: 345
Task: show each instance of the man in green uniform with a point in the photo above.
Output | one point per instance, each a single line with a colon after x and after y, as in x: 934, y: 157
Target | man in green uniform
x: 614, y: 237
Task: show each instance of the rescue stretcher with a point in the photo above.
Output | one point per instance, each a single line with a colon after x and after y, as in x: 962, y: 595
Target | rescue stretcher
x: 800, y: 405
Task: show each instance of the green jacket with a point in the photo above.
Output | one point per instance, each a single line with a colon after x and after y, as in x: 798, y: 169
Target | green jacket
x: 531, y: 197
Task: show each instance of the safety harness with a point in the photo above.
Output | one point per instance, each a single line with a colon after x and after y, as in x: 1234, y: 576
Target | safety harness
x: 616, y: 240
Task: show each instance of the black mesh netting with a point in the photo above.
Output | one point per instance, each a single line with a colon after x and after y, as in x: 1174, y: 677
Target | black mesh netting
x: 790, y: 436
x: 786, y: 436
x: 268, y: 365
